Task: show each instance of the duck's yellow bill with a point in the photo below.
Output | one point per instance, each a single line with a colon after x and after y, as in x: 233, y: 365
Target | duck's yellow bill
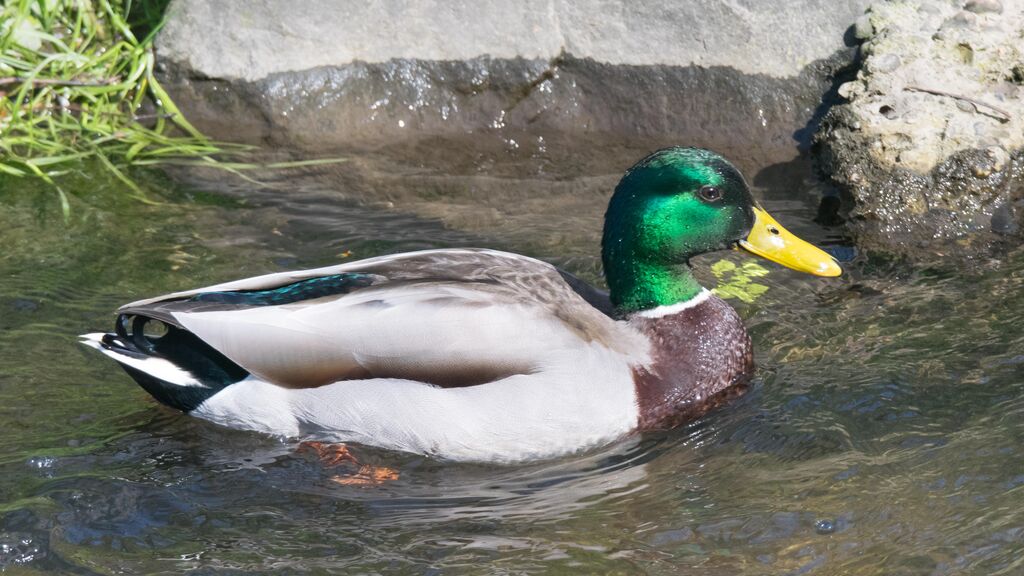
x: 768, y: 239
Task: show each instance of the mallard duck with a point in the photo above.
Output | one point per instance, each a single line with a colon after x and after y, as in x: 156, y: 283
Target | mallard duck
x: 475, y: 354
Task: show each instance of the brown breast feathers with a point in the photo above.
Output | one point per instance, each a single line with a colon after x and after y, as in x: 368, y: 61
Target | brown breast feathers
x: 700, y: 358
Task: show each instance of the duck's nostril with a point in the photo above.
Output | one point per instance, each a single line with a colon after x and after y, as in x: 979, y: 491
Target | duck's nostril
x: 773, y: 230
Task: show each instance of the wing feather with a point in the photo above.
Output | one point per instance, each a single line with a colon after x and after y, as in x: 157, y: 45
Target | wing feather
x: 443, y: 317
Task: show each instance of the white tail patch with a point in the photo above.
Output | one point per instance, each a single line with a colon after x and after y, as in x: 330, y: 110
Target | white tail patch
x: 156, y: 367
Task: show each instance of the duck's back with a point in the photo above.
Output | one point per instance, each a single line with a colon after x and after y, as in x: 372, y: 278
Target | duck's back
x: 448, y: 318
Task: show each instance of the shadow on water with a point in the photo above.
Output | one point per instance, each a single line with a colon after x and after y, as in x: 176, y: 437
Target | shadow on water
x: 882, y: 436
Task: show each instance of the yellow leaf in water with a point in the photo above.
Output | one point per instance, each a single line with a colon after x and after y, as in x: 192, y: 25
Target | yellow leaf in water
x: 721, y: 267
x: 752, y: 269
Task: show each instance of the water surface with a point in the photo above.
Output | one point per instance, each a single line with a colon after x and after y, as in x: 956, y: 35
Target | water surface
x: 883, y: 434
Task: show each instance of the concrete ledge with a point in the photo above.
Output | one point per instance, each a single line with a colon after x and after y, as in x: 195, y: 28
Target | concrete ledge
x: 253, y: 39
x: 757, y: 120
x: 740, y: 76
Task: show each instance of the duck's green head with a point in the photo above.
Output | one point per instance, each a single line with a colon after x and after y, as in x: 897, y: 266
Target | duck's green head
x: 678, y: 203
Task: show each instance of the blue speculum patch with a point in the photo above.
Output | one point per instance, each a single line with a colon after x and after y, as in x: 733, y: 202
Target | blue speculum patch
x: 296, y: 292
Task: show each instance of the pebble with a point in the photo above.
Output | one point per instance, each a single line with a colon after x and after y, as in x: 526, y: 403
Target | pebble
x: 862, y: 28
x: 931, y: 17
x: 1017, y: 73
x: 1004, y: 220
x: 1000, y: 157
x: 24, y: 305
x: 884, y: 63
x: 824, y: 526
x: 850, y: 90
x: 15, y: 551
x: 41, y: 462
x: 43, y: 465
x: 982, y: 6
x: 961, y: 20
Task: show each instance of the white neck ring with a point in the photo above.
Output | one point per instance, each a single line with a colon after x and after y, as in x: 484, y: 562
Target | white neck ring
x: 662, y: 311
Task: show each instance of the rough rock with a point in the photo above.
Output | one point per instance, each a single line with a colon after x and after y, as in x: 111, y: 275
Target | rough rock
x: 980, y: 6
x: 742, y: 76
x: 927, y: 148
x: 257, y: 38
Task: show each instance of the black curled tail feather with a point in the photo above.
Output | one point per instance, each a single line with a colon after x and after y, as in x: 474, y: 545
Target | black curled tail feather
x: 208, y: 371
x: 211, y: 369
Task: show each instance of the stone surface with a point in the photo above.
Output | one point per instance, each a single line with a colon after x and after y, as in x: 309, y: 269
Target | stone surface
x: 253, y: 39
x: 927, y: 148
x: 742, y: 76
x: 981, y: 6
x: 756, y: 120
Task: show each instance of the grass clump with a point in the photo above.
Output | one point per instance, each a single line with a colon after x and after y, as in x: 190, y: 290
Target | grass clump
x: 77, y: 83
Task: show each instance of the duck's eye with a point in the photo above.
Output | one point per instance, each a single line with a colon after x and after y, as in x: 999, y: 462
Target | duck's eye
x: 710, y: 193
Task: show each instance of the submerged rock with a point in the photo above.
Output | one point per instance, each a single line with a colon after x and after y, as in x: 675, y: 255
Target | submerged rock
x: 927, y: 148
